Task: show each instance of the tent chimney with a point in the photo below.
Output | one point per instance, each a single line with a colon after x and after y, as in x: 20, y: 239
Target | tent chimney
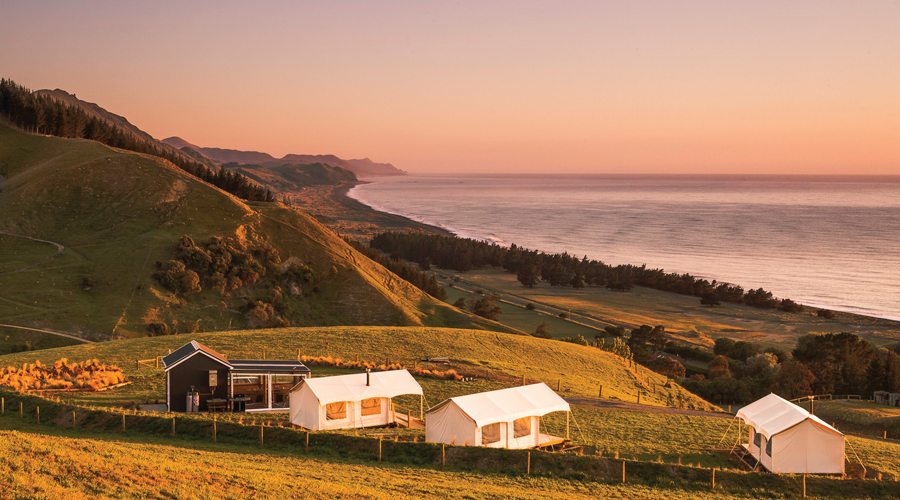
x: 368, y: 371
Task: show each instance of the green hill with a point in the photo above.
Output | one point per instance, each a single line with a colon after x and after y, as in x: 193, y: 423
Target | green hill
x: 87, y: 224
x: 493, y: 357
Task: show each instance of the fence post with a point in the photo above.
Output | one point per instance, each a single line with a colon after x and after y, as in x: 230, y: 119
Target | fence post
x: 804, y: 485
x: 523, y: 379
x: 558, y: 384
x: 73, y: 419
x: 885, y: 434
x: 157, y: 362
x: 600, y: 394
x: 262, y: 438
x: 37, y: 411
x: 21, y: 410
x: 2, y: 406
x: 215, y: 429
x: 713, y: 485
x: 639, y: 397
x: 307, y: 440
x: 623, y: 472
x: 379, y: 448
x: 123, y: 422
x: 528, y: 465
x: 443, y: 454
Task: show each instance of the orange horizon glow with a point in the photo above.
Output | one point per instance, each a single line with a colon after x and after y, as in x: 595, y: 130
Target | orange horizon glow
x: 804, y: 87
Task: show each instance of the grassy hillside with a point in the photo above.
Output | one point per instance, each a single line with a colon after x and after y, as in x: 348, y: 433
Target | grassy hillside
x: 497, y: 357
x: 684, y: 317
x: 85, y: 224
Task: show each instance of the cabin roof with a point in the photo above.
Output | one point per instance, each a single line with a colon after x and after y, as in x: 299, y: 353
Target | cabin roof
x: 190, y: 349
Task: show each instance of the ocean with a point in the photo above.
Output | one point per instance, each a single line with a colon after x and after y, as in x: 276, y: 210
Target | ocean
x: 823, y: 241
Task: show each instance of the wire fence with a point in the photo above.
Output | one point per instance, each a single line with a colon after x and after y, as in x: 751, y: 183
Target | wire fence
x: 411, y: 451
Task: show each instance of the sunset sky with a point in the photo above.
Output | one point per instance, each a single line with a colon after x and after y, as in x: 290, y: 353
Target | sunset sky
x: 490, y: 86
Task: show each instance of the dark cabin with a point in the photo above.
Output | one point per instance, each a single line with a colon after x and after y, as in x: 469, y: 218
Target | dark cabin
x: 221, y: 384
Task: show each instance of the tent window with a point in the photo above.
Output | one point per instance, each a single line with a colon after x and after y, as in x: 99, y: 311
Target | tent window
x: 490, y: 433
x: 336, y: 411
x: 769, y: 447
x: 756, y: 439
x: 371, y: 406
x: 522, y: 427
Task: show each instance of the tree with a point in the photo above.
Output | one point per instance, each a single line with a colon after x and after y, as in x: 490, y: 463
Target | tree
x: 487, y: 307
x: 718, y: 367
x: 793, y: 380
x: 528, y: 275
x: 723, y: 346
x: 542, y: 331
x: 710, y: 299
x: 667, y: 366
x: 645, y: 340
x: 840, y: 362
x: 615, y: 331
x: 460, y: 303
x: 825, y: 313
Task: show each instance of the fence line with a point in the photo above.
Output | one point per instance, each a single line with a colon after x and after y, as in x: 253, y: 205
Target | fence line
x: 478, y: 459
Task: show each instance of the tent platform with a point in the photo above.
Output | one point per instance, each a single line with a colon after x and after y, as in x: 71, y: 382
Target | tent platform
x: 408, y: 421
x: 548, y: 441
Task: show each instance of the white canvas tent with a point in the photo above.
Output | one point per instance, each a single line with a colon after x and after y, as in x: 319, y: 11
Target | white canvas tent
x: 784, y: 437
x: 507, y: 418
x: 349, y: 401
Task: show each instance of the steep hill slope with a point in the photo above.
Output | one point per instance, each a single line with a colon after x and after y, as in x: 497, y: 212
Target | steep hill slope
x: 89, y: 223
x: 360, y: 167
x: 294, y: 177
x: 119, y: 121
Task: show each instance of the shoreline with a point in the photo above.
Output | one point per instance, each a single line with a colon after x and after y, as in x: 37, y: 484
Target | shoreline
x: 344, y: 193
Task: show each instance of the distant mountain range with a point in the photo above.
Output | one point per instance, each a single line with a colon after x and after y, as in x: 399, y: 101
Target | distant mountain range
x: 360, y: 167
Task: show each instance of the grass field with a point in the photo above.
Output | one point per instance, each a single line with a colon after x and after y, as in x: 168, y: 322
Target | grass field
x: 525, y: 320
x: 684, y: 316
x: 862, y: 417
x: 58, y: 466
x: 498, y: 356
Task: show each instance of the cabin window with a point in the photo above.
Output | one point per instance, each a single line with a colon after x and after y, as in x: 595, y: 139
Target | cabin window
x: 336, y: 411
x: 246, y: 380
x: 522, y: 427
x: 490, y: 433
x: 769, y: 448
x: 371, y: 406
x: 283, y: 379
x: 756, y: 439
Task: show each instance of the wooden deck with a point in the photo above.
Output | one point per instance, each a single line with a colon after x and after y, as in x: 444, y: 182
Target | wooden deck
x: 408, y: 421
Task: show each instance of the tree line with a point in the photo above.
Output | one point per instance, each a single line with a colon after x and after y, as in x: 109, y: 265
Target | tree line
x: 833, y: 363
x: 562, y: 269
x: 44, y: 115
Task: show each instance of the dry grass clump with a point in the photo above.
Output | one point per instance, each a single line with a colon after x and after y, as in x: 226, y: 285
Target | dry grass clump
x: 88, y: 375
x: 346, y: 363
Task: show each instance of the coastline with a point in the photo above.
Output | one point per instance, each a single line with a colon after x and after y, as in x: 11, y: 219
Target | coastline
x: 344, y: 195
x: 333, y: 206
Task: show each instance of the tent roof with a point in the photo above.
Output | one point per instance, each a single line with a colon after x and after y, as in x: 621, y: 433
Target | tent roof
x: 504, y: 405
x: 386, y: 384
x: 772, y: 414
x: 187, y: 350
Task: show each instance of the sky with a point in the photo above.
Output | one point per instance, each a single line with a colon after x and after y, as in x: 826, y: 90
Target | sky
x: 800, y: 87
